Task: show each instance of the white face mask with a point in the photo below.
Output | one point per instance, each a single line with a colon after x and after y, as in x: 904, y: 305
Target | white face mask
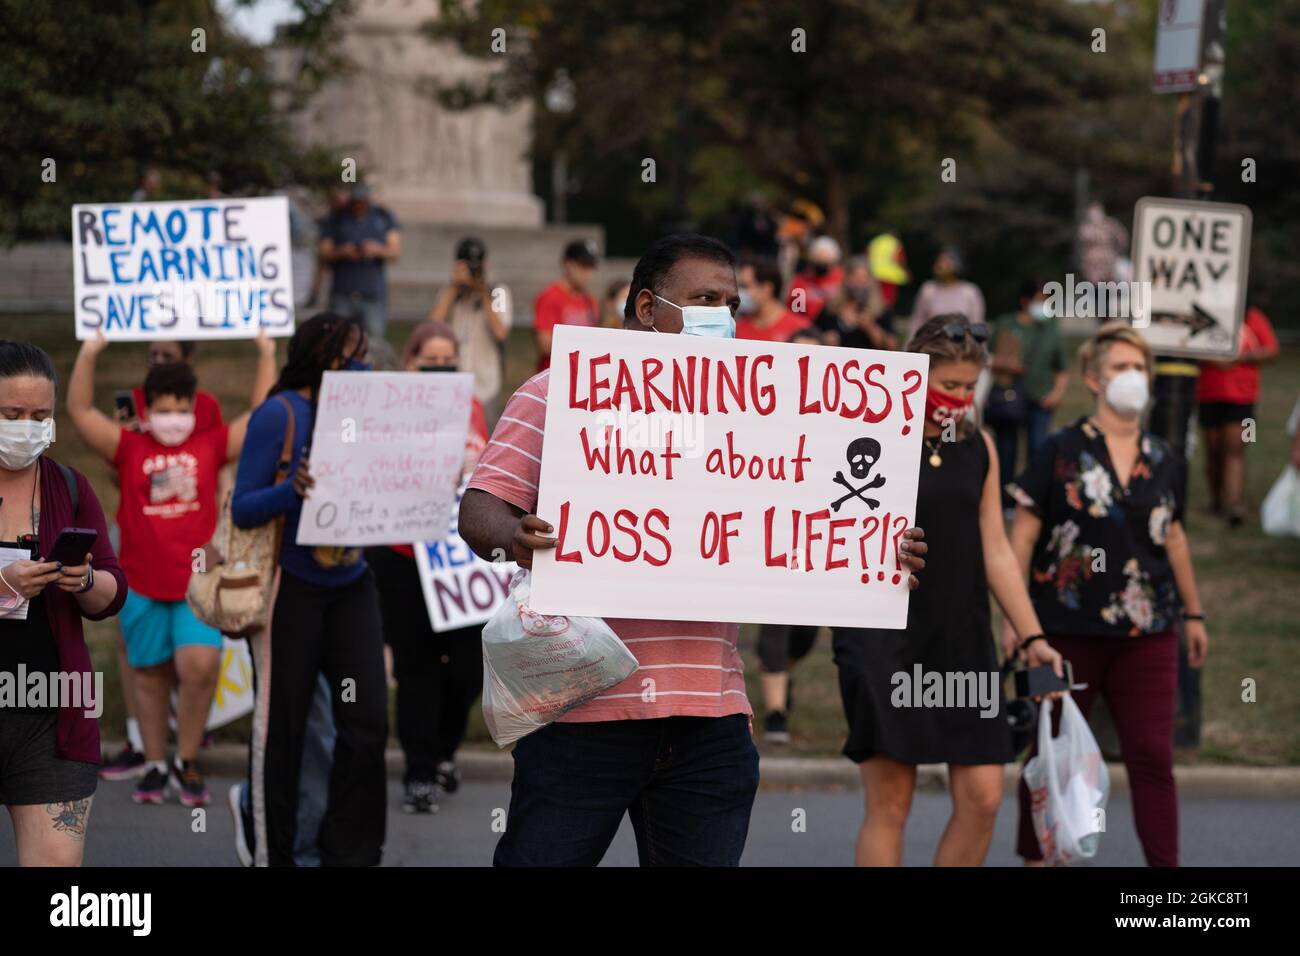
x: 23, y: 441
x: 171, y: 428
x: 715, y: 321
x: 1127, y: 393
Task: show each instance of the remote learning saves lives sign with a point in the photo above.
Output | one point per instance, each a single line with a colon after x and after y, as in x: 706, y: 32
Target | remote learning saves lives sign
x: 386, y: 457
x: 723, y: 480
x: 199, y: 269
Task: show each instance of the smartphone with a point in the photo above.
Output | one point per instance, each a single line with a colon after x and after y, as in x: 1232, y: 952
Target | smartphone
x: 72, y: 546
x: 1043, y: 680
x: 125, y: 403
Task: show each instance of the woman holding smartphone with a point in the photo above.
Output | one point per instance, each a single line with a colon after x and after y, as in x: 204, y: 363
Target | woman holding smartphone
x: 1099, y: 532
x: 49, y: 749
x: 948, y: 629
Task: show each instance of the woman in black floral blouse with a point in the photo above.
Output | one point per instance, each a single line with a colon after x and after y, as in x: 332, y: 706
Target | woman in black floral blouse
x: 1099, y: 532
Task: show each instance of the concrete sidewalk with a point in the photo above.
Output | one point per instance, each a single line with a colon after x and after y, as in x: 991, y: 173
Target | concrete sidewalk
x: 490, y: 765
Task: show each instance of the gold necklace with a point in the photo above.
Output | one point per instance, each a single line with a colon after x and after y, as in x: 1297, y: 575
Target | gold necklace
x: 935, y: 460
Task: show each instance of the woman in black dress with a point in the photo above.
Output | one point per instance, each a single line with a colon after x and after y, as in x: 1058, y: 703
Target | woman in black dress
x: 932, y: 693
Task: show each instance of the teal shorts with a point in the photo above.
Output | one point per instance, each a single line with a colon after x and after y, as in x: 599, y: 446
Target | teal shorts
x: 154, y: 629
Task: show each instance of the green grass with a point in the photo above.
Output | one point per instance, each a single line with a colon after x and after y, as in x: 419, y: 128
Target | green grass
x: 1250, y: 584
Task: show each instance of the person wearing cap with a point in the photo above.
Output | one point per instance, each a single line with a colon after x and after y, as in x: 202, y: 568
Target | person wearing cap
x: 479, y: 314
x: 888, y: 266
x: 568, y: 300
x: 356, y: 243
x: 797, y: 228
x: 818, y: 281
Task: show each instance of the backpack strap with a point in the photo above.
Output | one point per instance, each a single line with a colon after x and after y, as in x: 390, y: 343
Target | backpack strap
x: 286, y: 449
x: 74, y: 491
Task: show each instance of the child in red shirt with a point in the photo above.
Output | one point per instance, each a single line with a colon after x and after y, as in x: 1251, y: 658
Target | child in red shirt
x: 167, y: 473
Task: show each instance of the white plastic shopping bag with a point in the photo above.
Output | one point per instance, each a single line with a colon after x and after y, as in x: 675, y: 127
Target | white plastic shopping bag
x: 536, y: 667
x: 1280, y: 512
x: 1068, y: 786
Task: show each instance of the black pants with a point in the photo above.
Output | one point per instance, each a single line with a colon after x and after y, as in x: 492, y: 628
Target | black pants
x: 333, y: 631
x: 779, y: 644
x: 439, y: 675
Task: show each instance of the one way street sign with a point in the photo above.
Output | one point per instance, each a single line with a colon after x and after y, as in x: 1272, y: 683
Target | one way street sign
x: 1196, y: 257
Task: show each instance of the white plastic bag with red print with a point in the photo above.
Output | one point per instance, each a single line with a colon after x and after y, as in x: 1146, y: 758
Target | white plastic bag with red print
x: 1068, y: 786
x: 537, y: 666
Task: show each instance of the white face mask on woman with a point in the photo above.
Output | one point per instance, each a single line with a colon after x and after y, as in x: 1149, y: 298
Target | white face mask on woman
x: 23, y: 441
x: 1127, y: 393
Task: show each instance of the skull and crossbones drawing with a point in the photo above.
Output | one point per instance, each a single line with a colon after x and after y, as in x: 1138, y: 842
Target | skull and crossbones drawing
x: 863, y: 454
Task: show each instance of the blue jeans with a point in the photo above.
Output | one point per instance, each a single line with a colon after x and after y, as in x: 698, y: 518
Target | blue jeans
x: 372, y: 312
x: 688, y: 784
x: 314, y: 785
x: 1007, y: 441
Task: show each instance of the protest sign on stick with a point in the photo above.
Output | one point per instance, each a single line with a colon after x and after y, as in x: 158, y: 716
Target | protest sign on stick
x: 386, y: 457
x: 198, y: 269
x: 703, y: 479
x: 460, y: 588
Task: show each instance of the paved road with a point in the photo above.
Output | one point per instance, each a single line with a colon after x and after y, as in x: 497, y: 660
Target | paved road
x: 1215, y: 832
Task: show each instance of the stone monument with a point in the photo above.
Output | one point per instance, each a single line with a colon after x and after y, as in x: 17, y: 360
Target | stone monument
x: 429, y: 164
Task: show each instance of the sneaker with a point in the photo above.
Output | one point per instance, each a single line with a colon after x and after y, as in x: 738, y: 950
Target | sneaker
x: 447, y: 777
x: 775, y: 728
x: 421, y: 797
x: 129, y: 764
x: 235, y: 802
x: 151, y: 789
x: 188, y: 783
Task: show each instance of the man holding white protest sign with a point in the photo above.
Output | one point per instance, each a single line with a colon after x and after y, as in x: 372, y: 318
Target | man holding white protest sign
x: 671, y: 745
x: 196, y: 269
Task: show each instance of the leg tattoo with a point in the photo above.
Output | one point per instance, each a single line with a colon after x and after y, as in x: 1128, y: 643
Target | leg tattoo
x: 70, y: 817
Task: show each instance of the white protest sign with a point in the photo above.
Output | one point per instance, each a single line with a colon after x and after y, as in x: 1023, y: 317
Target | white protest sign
x: 1195, y: 257
x: 386, y: 457
x: 198, y: 269
x: 233, y: 697
x: 706, y: 479
x: 460, y: 588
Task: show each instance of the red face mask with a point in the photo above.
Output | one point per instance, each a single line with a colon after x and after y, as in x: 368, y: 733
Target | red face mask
x: 939, y: 406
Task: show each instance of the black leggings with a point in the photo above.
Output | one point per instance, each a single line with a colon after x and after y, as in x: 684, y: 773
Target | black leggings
x: 779, y: 644
x: 333, y: 631
x: 439, y: 675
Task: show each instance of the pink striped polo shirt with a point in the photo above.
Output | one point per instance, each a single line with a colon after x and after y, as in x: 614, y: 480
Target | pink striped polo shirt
x: 695, y: 665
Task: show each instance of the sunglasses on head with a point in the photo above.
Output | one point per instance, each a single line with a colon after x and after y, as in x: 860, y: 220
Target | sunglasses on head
x: 957, y: 329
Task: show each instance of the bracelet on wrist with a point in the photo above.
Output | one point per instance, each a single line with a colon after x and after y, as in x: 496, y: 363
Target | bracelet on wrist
x: 1031, y: 638
x: 90, y: 579
x: 1193, y: 617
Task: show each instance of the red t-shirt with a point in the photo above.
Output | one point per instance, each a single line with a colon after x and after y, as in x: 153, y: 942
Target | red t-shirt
x: 779, y: 331
x: 475, y: 441
x: 168, y: 507
x: 556, y: 305
x: 207, y: 411
x: 1239, y: 384
x: 816, y: 291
